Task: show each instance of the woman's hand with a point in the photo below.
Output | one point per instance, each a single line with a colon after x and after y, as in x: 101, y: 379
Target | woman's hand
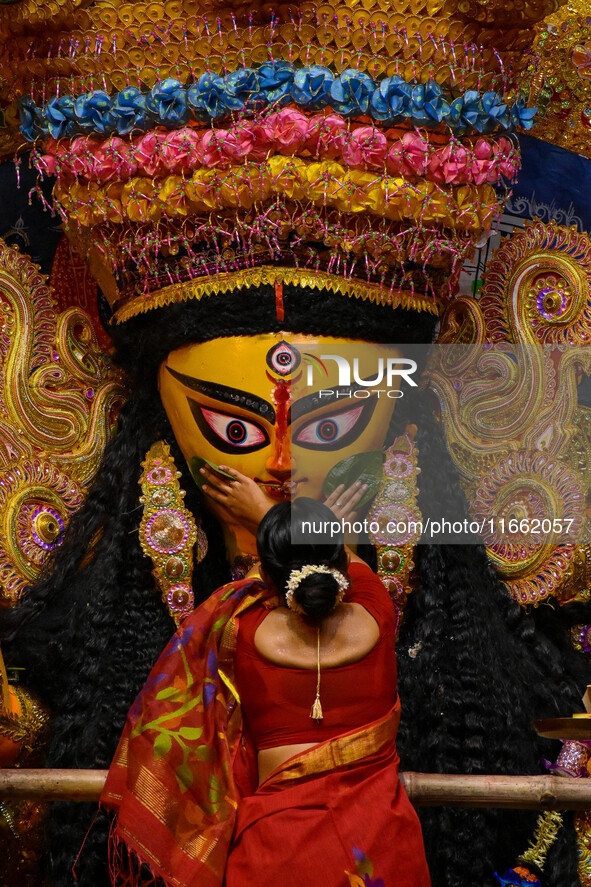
x: 342, y: 500
x: 242, y: 501
x: 238, y: 496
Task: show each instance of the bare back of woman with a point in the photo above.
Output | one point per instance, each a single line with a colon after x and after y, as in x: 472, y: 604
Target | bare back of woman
x: 286, y: 639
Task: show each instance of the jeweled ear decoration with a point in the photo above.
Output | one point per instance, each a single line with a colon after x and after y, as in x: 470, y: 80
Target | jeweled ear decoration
x: 168, y: 531
x: 396, y: 509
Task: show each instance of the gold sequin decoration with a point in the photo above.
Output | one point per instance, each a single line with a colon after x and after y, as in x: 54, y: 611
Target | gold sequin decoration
x: 76, y: 46
x: 50, y: 444
x: 561, y: 78
x: 583, y: 830
x: 168, y: 531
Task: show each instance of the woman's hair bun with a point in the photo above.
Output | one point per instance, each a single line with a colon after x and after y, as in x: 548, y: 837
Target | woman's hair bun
x: 317, y: 595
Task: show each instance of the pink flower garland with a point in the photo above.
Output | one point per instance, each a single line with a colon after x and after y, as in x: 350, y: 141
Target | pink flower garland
x: 288, y: 132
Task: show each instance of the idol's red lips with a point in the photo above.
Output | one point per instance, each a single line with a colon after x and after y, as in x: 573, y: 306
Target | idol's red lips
x: 279, y: 490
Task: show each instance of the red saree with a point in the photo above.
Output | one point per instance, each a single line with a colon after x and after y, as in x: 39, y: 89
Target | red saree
x: 335, y: 815
x: 171, y: 783
x: 183, y: 783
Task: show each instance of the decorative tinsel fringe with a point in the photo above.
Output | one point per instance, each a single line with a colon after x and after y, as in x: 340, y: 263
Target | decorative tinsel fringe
x: 524, y: 873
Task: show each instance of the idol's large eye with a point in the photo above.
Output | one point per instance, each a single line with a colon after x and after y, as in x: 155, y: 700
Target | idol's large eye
x: 336, y: 430
x: 228, y: 433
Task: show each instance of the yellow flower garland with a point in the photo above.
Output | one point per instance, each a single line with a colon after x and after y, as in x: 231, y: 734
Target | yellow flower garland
x: 326, y: 183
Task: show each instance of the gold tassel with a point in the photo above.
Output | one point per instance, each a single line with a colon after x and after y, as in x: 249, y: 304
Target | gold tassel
x: 316, y: 713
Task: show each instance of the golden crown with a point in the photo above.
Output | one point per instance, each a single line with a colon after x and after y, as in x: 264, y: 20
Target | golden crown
x: 198, y: 147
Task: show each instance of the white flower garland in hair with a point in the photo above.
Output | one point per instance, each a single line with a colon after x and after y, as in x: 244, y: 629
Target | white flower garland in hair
x: 296, y: 576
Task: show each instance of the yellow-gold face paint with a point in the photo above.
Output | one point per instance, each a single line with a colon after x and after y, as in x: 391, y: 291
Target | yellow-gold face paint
x: 231, y: 401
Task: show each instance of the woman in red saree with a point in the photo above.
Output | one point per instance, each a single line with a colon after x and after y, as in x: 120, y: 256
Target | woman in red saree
x: 262, y: 748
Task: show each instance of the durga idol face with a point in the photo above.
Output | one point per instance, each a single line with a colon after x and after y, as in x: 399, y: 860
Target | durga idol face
x: 233, y: 401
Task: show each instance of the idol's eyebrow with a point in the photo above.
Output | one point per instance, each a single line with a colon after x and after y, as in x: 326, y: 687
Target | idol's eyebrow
x: 233, y: 396
x: 311, y: 402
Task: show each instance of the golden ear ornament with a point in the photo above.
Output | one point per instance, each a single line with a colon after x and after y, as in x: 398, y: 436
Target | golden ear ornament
x: 58, y: 401
x: 514, y: 435
x: 168, y: 531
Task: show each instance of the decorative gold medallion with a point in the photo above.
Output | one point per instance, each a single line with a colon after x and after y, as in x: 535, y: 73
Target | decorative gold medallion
x: 396, y: 504
x: 168, y: 531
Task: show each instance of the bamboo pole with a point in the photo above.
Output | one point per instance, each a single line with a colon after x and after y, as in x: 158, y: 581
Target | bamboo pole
x: 521, y: 792
x: 424, y: 789
x: 51, y: 785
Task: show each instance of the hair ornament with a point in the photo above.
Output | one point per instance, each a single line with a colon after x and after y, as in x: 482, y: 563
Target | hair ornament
x: 296, y: 576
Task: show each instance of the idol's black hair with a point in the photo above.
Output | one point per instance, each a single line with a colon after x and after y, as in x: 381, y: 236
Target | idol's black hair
x: 285, y: 543
x: 475, y: 669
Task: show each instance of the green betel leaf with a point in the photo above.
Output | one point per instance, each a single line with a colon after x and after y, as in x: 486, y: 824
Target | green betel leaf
x: 162, y: 745
x: 190, y: 732
x: 195, y: 463
x: 184, y: 776
x: 363, y: 467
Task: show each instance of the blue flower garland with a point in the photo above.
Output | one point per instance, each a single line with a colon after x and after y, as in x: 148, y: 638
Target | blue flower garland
x: 212, y: 97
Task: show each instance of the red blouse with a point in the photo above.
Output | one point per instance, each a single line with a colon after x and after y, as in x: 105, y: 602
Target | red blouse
x: 276, y: 700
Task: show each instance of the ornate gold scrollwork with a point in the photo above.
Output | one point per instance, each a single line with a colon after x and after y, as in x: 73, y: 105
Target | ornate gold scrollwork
x: 58, y: 401
x: 537, y: 287
x: 462, y: 323
x: 511, y: 414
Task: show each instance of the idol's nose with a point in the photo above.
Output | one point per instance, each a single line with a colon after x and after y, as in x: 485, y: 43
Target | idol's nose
x: 280, y: 464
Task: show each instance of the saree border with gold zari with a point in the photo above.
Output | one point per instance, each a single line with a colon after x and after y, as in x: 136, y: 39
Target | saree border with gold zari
x: 335, y: 814
x: 171, y: 784
x: 341, y: 751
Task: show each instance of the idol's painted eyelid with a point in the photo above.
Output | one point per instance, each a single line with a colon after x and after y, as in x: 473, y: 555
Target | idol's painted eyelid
x: 335, y: 430
x: 218, y: 428
x: 233, y: 397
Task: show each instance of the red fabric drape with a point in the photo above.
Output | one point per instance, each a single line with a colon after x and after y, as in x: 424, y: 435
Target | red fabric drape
x: 183, y: 782
x: 330, y: 817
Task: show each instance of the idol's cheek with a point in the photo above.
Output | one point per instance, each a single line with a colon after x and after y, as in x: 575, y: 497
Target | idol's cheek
x: 326, y: 438
x: 214, y: 434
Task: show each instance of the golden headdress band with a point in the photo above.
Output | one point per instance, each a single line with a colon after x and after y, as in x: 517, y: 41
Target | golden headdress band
x: 274, y: 276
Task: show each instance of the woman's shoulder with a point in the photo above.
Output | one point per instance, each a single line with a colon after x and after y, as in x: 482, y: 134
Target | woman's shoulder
x: 368, y: 590
x: 362, y: 576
